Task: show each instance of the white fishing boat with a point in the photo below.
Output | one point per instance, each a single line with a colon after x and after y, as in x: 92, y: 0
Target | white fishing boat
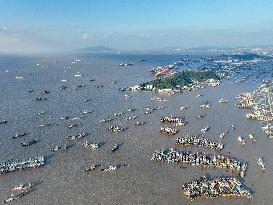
x: 205, y: 129
x: 22, y: 187
x: 241, y: 140
x: 252, y: 137
x: 261, y: 163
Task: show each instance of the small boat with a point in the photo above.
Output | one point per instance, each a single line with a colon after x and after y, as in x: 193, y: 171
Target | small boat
x: 131, y: 118
x: 91, y: 145
x: 86, y: 111
x: 28, y: 143
x: 81, y: 86
x: 252, y: 138
x: 140, y: 123
x: 205, y: 106
x: 117, y: 128
x: 106, y: 120
x: 201, y: 116
x: 184, y: 108
x: 3, y: 122
x: 44, y: 92
x: 78, y: 75
x: 110, y: 168
x: 14, y: 197
x: 261, y: 163
x: 92, y: 167
x: 44, y: 125
x: 205, y: 129
x: 22, y: 134
x: 64, y: 118
x: 63, y: 87
x: 22, y: 187
x: 241, y: 140
x: 115, y: 147
x: 56, y: 148
x: 223, y: 101
x: 169, y: 130
x: 19, y: 77
x: 131, y: 110
x: 223, y: 134
x: 87, y: 100
x: 71, y: 126
x: 40, y: 99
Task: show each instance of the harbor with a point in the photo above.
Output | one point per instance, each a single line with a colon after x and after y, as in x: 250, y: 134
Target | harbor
x: 133, y: 136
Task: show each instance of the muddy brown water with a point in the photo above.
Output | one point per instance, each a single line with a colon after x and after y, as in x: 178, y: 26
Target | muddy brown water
x: 140, y: 181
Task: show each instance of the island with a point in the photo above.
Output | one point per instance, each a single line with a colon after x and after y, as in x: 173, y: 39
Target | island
x: 185, y: 80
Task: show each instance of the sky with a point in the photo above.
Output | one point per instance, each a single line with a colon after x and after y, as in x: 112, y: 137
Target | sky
x: 41, y: 26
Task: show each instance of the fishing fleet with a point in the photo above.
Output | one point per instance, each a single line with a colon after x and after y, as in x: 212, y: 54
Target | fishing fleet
x: 220, y: 186
x: 199, y: 159
x: 190, y: 140
x: 14, y: 165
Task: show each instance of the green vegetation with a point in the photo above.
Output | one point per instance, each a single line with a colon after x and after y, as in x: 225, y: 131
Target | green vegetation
x: 181, y: 79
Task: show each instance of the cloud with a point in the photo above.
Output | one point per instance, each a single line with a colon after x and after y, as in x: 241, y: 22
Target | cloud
x: 46, y: 39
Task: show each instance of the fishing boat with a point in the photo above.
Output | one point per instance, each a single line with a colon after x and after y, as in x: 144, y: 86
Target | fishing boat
x: 19, y: 134
x: 28, y: 143
x: 223, y: 101
x: 261, y: 163
x: 91, y: 145
x: 140, y: 123
x: 22, y: 187
x: 56, y: 148
x: 92, y: 167
x: 110, y: 168
x: 168, y: 130
x: 184, y: 108
x: 205, y: 129
x: 115, y: 147
x: 13, y: 197
x: 78, y: 75
x: 116, y: 128
x: 205, y: 106
x: 3, y: 122
x: 241, y: 140
x: 223, y: 134
x: 252, y: 137
x: 78, y: 136
x: 201, y: 116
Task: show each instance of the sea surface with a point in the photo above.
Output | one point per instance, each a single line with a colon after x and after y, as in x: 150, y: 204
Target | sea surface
x: 139, y: 180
